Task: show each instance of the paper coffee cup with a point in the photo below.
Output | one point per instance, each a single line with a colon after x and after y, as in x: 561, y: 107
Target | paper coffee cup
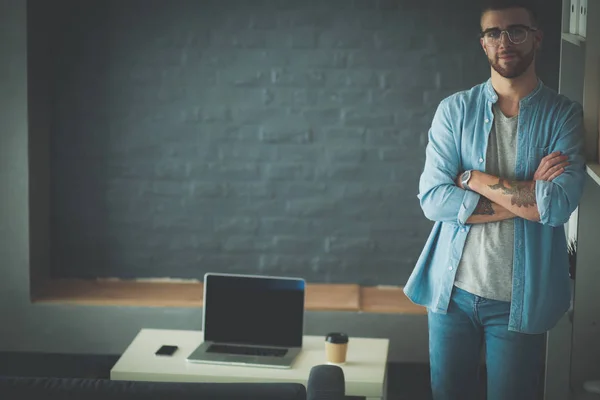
x: 336, y: 347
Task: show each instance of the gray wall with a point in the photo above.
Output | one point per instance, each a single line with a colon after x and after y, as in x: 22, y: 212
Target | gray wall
x: 439, y: 41
x: 242, y: 136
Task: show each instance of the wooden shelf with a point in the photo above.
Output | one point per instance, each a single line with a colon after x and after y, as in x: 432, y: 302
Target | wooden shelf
x: 119, y: 293
x: 575, y: 39
x: 322, y: 297
x: 388, y: 299
x: 319, y: 297
x: 593, y: 171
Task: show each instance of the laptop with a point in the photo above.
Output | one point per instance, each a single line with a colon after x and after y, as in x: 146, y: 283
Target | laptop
x: 251, y: 320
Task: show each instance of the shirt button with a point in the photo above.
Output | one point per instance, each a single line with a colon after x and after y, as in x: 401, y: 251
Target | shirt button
x: 480, y: 160
x: 450, y: 268
x: 487, y: 121
x: 464, y: 229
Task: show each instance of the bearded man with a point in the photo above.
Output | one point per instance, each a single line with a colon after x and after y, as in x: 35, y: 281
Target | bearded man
x: 504, y: 170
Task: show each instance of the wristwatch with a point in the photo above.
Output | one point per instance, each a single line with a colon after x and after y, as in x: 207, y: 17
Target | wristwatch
x: 464, y: 179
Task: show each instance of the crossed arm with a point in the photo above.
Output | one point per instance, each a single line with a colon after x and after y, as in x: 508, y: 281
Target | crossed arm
x: 545, y: 198
x: 487, y: 211
x: 504, y: 199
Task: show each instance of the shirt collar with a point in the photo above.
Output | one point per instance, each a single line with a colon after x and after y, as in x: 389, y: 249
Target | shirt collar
x: 493, y: 96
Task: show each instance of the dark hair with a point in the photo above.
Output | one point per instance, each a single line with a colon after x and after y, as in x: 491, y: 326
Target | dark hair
x: 529, y: 5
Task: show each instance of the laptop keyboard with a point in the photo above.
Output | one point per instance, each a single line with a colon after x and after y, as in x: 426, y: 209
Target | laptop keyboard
x: 246, y: 351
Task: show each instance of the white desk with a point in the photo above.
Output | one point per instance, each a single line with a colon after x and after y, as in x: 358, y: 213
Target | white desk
x: 365, y: 369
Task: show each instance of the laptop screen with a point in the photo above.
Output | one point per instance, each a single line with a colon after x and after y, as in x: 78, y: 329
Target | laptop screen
x: 254, y: 310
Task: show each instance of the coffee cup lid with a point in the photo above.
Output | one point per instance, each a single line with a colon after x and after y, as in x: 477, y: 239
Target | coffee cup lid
x: 337, y: 338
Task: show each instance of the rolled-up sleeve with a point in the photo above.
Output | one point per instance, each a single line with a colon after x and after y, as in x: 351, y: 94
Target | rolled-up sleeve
x: 467, y: 206
x: 557, y: 199
x: 440, y: 198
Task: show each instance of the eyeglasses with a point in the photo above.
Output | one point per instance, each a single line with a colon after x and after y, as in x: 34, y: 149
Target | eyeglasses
x: 516, y: 34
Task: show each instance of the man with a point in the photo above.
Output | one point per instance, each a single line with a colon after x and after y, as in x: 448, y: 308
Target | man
x: 504, y: 171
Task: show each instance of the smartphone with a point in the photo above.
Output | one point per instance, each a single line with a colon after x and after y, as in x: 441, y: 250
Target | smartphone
x: 166, y: 350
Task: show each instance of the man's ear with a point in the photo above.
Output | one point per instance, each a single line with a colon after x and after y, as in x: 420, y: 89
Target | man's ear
x: 538, y: 37
x: 483, y: 45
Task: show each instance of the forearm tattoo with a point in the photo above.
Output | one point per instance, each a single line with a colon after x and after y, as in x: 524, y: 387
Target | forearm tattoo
x: 523, y: 193
x: 484, y: 207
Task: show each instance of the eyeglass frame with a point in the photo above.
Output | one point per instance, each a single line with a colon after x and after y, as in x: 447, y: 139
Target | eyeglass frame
x: 502, y: 31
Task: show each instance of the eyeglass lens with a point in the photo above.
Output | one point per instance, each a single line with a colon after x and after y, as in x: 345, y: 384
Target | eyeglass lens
x: 515, y: 35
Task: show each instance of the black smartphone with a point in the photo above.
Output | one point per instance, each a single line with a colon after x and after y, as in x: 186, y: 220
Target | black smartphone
x: 166, y: 350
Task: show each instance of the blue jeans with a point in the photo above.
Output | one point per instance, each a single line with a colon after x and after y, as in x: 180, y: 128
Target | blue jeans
x: 514, y: 361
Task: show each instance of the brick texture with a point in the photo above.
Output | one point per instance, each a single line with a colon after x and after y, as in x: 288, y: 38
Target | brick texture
x: 263, y: 136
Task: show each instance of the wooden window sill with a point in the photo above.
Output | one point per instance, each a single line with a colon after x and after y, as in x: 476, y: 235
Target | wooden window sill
x: 319, y: 297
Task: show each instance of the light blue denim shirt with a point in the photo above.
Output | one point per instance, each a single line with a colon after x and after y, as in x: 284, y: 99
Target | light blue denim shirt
x: 458, y: 137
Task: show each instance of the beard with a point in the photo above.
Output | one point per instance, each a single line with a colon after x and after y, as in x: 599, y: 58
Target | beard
x: 516, y: 67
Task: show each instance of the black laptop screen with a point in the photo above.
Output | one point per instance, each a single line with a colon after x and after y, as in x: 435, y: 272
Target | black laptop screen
x: 254, y: 310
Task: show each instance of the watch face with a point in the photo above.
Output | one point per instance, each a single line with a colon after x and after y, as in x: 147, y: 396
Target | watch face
x: 465, y: 177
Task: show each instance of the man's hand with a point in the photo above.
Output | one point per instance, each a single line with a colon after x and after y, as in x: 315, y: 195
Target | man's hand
x: 550, y: 167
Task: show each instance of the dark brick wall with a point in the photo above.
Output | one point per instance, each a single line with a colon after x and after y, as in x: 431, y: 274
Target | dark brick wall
x: 266, y: 136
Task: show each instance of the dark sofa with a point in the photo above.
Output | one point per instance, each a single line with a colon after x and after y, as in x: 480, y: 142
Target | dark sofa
x: 326, y: 382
